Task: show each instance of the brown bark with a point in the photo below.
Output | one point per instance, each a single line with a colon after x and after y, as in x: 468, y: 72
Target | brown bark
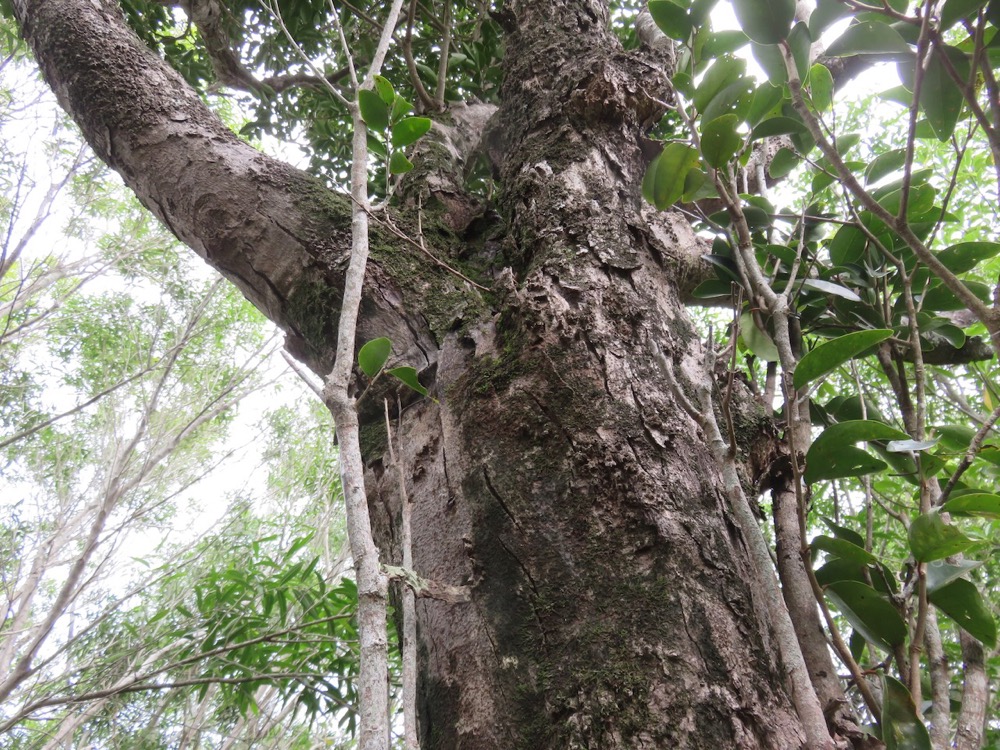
x: 613, y: 603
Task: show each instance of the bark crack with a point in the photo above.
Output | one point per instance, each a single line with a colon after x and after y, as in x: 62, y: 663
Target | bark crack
x: 500, y: 500
x: 534, y: 589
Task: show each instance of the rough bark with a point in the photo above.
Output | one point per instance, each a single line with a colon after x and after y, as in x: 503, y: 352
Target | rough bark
x: 613, y: 601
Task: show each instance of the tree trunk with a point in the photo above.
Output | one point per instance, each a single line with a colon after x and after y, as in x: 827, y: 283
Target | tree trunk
x: 613, y: 602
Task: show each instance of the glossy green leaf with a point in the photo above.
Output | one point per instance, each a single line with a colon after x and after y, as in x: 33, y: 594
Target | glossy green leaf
x: 408, y: 130
x: 672, y: 19
x: 838, y: 462
x: 869, y: 38
x: 664, y: 182
x: 720, y: 141
x: 833, y: 454
x: 843, y: 549
x: 374, y: 111
x: 869, y: 613
x: 383, y: 87
x: 967, y: 255
x: 940, y: 573
x: 373, y: 355
x: 765, y: 21
x: 933, y: 539
x: 982, y: 504
x: 399, y: 164
x: 829, y: 356
x: 902, y: 728
x: 757, y: 341
x: 963, y: 603
x: 409, y: 376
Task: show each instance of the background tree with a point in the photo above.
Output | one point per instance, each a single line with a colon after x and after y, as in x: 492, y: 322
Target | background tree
x: 138, y: 531
x: 589, y: 467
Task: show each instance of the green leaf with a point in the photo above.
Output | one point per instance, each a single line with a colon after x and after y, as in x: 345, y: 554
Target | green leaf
x: 869, y: 38
x: 765, y: 21
x: 400, y: 107
x: 777, y: 126
x: 843, y: 549
x: 376, y: 146
x: 765, y: 100
x: 720, y: 141
x: 933, y: 539
x: 843, y: 532
x: 783, y: 163
x: 664, y: 182
x: 373, y: 355
x: 901, y: 726
x: 827, y: 357
x: 409, y: 376
x: 821, y: 87
x: 827, y: 13
x: 869, y: 613
x: 963, y: 603
x: 982, y: 504
x: 885, y: 164
x: 757, y: 340
x: 967, y: 255
x: 399, y: 164
x: 957, y: 10
x: 408, y: 130
x: 374, y: 111
x: 940, y: 99
x: 725, y: 71
x: 833, y: 454
x: 385, y: 91
x: 839, y: 461
x: 940, y: 573
x: 672, y: 19
x: 848, y: 245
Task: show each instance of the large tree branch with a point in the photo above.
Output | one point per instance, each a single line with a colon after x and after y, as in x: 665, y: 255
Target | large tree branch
x: 277, y: 233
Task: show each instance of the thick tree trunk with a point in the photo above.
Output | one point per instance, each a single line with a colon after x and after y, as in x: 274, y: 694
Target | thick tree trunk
x: 613, y: 601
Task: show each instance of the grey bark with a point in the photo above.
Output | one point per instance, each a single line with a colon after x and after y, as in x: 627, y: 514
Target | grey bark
x: 613, y: 601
